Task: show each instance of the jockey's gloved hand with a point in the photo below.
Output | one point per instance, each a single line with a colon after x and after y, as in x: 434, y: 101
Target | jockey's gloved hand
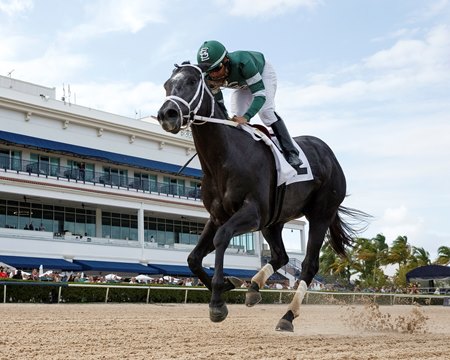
x: 239, y: 119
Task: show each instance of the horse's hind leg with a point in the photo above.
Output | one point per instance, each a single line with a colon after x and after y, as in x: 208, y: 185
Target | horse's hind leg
x: 279, y: 258
x: 310, y: 266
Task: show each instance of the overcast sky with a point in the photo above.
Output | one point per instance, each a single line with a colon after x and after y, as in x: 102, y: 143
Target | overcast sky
x: 371, y: 78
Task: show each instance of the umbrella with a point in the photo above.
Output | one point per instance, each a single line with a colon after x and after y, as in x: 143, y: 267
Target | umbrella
x: 144, y: 278
x: 112, y: 277
x: 41, y: 270
x: 8, y: 267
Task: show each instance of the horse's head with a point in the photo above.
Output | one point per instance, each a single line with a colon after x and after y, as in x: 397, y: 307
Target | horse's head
x: 184, y: 96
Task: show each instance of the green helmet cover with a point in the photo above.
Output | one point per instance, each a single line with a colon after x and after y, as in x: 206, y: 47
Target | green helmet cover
x: 211, y: 52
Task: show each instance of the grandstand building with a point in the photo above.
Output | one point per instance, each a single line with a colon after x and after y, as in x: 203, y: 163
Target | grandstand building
x: 86, y: 190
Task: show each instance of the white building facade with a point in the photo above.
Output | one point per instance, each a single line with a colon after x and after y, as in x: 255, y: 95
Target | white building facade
x: 78, y: 184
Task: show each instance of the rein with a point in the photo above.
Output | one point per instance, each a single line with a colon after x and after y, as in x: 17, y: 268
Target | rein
x: 192, y: 116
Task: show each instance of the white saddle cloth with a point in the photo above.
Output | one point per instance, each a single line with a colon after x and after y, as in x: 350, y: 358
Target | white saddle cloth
x: 286, y: 173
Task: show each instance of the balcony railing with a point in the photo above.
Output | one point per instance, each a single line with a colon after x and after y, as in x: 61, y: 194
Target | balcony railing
x: 98, y: 178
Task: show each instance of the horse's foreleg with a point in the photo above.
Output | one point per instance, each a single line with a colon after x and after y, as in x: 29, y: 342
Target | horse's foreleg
x: 204, y: 247
x: 310, y: 266
x: 244, y: 220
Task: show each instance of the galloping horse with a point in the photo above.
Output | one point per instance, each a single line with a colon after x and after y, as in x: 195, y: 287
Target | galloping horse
x: 239, y: 191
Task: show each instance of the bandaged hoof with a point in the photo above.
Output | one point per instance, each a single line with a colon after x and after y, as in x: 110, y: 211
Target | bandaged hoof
x: 284, y: 325
x: 218, y: 314
x: 252, y: 297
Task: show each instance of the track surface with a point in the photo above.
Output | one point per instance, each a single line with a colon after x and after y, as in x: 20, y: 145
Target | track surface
x: 179, y: 331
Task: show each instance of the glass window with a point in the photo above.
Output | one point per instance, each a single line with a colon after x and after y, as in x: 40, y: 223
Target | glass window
x: 69, y: 222
x: 58, y: 225
x: 4, y: 159
x: 3, y: 222
x: 11, y: 216
x: 115, y: 228
x: 90, y: 225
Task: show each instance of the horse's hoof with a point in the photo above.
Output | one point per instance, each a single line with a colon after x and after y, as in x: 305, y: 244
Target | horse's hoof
x: 252, y: 297
x: 218, y: 314
x: 284, y: 325
x: 236, y: 282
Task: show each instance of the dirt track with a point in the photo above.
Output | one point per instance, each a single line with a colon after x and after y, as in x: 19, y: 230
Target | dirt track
x: 176, y: 331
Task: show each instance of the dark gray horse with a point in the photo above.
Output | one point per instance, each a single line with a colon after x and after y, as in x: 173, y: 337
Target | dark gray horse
x: 239, y: 189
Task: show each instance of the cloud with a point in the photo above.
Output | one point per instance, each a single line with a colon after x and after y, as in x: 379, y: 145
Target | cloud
x: 14, y: 7
x: 126, y: 99
x: 105, y: 16
x: 54, y: 66
x: 264, y: 8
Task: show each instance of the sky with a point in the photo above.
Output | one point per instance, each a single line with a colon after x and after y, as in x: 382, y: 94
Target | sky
x: 371, y: 78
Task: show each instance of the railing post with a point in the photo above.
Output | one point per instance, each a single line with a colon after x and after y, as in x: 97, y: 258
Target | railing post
x: 59, y: 294
x: 148, y: 294
x: 4, y: 294
x: 185, y: 296
x: 107, y: 293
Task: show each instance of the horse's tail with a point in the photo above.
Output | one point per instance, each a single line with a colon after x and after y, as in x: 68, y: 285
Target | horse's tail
x: 342, y: 232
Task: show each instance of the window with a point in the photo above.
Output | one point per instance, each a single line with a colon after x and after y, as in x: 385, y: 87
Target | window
x: 44, y: 165
x: 80, y: 170
x: 143, y: 181
x: 173, y: 186
x: 114, y: 177
x: 10, y: 159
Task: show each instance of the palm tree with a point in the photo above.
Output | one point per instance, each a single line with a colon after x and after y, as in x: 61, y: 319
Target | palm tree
x: 443, y: 255
x: 420, y: 257
x: 400, y: 252
x: 369, y: 255
x: 334, y: 266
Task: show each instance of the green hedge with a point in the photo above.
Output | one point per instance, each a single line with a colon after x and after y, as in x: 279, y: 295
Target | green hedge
x: 40, y: 292
x: 43, y: 292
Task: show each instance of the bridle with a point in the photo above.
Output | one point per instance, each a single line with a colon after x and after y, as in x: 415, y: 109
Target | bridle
x: 191, y: 118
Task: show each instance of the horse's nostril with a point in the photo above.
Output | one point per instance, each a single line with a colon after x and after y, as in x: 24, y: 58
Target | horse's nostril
x: 171, y: 114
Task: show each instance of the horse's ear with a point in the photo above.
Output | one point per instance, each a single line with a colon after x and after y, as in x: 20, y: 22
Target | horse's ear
x: 186, y: 62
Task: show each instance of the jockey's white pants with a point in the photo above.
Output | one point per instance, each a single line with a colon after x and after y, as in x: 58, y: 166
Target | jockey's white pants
x: 242, y: 98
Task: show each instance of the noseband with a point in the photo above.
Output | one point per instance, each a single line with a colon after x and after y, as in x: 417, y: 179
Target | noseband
x: 191, y: 116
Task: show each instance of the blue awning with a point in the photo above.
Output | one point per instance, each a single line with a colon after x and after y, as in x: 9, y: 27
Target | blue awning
x: 174, y: 270
x: 122, y: 267
x: 240, y: 273
x: 24, y: 262
x: 85, y: 152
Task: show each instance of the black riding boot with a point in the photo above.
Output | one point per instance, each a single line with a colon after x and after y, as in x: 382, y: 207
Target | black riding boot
x: 290, y: 152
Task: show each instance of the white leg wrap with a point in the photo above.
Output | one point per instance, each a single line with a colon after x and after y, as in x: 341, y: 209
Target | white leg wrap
x: 261, y: 277
x: 294, y: 306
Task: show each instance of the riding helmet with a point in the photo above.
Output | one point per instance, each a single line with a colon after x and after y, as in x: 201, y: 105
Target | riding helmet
x: 211, y: 52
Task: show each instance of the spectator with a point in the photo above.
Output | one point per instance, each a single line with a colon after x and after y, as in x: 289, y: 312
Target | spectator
x: 3, y: 273
x: 18, y: 275
x: 82, y: 170
x: 31, y: 226
x: 34, y: 275
x: 42, y: 227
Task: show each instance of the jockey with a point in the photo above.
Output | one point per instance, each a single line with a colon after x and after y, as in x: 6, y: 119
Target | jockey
x: 255, y: 84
